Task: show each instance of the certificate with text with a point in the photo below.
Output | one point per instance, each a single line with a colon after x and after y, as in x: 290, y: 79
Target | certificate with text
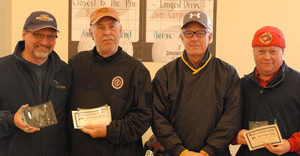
x: 100, y: 115
x: 256, y: 138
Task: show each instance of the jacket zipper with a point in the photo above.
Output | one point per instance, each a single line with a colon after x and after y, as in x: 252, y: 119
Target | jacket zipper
x: 45, y: 96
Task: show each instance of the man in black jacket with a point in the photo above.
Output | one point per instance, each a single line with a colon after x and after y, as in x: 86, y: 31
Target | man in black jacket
x: 271, y: 94
x: 108, y: 75
x: 197, y: 107
x: 32, y: 75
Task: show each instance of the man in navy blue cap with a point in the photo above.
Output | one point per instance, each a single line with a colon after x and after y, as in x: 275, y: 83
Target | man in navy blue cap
x: 32, y: 75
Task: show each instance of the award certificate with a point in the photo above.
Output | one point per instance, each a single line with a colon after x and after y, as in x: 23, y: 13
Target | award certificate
x: 100, y: 115
x: 256, y: 138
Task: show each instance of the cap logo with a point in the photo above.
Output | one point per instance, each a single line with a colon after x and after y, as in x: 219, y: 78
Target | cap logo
x: 104, y: 11
x: 197, y: 15
x: 265, y: 38
x: 117, y: 82
x: 44, y: 17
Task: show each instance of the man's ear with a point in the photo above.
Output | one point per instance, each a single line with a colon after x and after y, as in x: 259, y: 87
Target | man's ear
x: 210, y: 36
x: 23, y: 34
x: 91, y: 33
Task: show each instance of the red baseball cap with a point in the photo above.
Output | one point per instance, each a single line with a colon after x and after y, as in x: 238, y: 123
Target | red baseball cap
x: 268, y: 36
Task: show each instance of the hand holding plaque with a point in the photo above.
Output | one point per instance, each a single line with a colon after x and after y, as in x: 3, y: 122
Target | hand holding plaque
x: 39, y: 116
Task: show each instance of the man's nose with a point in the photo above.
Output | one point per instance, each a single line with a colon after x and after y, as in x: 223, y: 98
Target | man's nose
x: 44, y: 41
x: 267, y: 56
x: 194, y: 37
x: 107, y: 31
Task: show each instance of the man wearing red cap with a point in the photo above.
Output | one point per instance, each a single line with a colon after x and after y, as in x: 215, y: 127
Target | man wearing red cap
x: 108, y: 75
x: 271, y: 95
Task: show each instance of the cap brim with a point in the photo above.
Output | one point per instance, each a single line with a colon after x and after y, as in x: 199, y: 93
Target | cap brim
x: 98, y: 18
x: 195, y: 22
x: 33, y: 28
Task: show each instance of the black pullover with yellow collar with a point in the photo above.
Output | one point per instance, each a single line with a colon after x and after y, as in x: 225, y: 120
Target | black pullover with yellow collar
x: 196, y: 109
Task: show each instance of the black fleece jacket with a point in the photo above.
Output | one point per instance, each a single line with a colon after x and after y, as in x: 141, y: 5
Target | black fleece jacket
x: 18, y: 87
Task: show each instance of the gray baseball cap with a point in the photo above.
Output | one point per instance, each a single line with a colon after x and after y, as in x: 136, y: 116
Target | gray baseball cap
x: 197, y: 16
x: 39, y: 20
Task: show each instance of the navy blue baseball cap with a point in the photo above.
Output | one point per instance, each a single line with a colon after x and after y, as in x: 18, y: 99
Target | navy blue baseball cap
x: 39, y: 20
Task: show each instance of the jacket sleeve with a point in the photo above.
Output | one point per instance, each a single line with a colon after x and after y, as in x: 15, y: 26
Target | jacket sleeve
x: 230, y: 121
x: 162, y: 126
x: 294, y: 141
x: 138, y: 120
x: 7, y: 124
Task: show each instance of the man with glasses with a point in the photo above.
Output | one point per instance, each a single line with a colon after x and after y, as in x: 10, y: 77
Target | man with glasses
x: 271, y: 95
x: 32, y: 75
x: 197, y: 108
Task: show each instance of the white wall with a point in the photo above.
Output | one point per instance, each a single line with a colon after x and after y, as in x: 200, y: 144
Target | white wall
x: 152, y: 67
x: 237, y: 21
x: 5, y: 27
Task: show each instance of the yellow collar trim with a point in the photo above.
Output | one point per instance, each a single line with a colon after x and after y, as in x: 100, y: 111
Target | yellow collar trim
x: 193, y: 69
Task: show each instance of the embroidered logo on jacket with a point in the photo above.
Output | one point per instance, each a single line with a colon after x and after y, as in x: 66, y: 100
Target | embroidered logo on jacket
x: 55, y: 84
x: 117, y: 82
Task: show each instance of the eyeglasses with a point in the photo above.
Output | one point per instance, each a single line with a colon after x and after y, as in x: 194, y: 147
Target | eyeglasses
x: 200, y: 33
x: 40, y: 36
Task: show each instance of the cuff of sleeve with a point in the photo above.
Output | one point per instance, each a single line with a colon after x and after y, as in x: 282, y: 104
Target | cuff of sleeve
x: 10, y: 120
x: 183, y: 152
x: 178, y: 150
x: 108, y: 133
x: 204, y: 152
x: 208, y: 150
x: 234, y: 142
x: 292, y: 142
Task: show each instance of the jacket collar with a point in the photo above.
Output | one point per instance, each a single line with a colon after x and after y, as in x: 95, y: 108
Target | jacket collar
x: 53, y: 60
x: 201, y: 65
x: 100, y: 58
x: 277, y: 79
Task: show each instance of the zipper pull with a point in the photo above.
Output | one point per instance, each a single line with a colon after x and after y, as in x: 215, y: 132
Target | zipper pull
x: 261, y: 92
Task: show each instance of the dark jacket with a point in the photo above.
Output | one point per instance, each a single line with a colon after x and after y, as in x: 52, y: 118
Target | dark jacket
x: 279, y: 101
x: 200, y: 111
x: 18, y: 87
x: 130, y: 101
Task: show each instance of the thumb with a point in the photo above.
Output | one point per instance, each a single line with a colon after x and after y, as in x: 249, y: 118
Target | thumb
x: 88, y: 126
x: 24, y: 106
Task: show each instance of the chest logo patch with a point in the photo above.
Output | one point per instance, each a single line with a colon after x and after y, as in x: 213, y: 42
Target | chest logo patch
x: 117, y: 82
